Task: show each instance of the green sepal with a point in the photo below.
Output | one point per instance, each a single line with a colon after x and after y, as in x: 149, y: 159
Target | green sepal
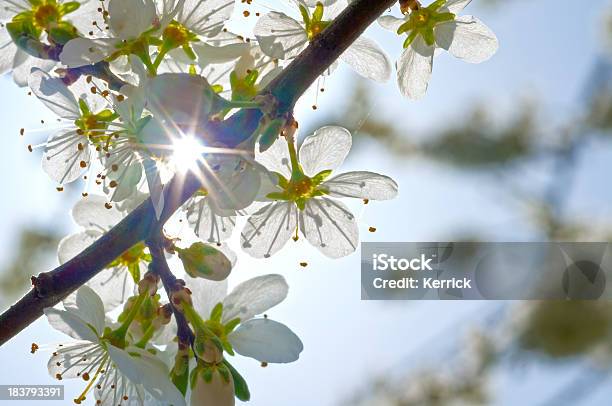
x: 231, y: 325
x: 278, y: 196
x: 317, y: 15
x: 321, y: 176
x: 69, y: 7
x: 217, y: 312
x: 241, y: 389
x: 134, y: 270
x: 224, y: 372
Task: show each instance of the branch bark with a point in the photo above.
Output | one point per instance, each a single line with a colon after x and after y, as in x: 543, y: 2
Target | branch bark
x: 51, y: 287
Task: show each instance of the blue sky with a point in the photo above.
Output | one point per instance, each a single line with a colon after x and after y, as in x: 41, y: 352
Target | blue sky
x: 547, y: 50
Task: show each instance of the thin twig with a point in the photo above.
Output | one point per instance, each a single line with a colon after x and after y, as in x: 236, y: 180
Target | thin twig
x: 159, y: 265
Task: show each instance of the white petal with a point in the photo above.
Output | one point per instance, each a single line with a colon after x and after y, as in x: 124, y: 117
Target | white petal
x: 455, y: 6
x: 85, y: 51
x: 390, y: 23
x: 90, y: 307
x: 209, y: 54
x: 127, y: 177
x: 266, y: 341
x: 114, y: 286
x: 233, y: 182
x: 326, y: 149
x: 206, y: 17
x: 207, y: 224
x: 414, y: 69
x: 54, y: 94
x: 329, y: 226
x: 154, y: 376
x: 467, y: 38
x: 90, y: 213
x: 71, y: 324
x: 129, y: 18
x: 64, y: 153
x: 368, y: 60
x: 276, y: 158
x: 280, y: 36
x: 155, y: 185
x: 206, y: 294
x: 21, y: 73
x: 72, y: 245
x: 74, y: 358
x: 362, y: 185
x: 269, y: 229
x: 254, y: 296
x: 9, y: 9
x: 8, y: 50
x: 179, y: 99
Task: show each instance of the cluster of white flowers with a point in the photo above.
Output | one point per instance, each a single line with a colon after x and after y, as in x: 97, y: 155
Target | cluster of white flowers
x: 137, y: 86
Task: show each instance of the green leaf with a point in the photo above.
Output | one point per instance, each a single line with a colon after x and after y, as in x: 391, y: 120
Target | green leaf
x: 241, y: 389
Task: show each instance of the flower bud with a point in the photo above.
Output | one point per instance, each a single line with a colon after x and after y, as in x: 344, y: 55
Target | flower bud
x: 180, y: 297
x: 212, y: 388
x: 205, y: 261
x: 148, y: 283
x: 207, y: 350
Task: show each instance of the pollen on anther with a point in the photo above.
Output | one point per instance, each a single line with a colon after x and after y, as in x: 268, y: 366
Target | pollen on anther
x: 30, y: 148
x: 108, y: 205
x: 264, y: 364
x: 366, y: 201
x: 59, y: 189
x: 303, y: 264
x: 372, y: 229
x: 58, y: 377
x: 22, y: 131
x: 83, y: 164
x: 34, y: 348
x: 85, y: 376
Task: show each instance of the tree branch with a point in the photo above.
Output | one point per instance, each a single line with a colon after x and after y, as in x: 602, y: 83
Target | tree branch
x: 51, y: 287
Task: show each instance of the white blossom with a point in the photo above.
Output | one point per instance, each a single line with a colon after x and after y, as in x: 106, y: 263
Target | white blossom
x: 306, y: 200
x: 122, y: 375
x: 260, y: 338
x: 437, y: 27
x: 281, y: 36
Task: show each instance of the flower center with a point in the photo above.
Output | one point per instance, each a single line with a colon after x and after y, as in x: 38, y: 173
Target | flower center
x: 422, y: 21
x: 303, y: 188
x: 46, y: 14
x: 176, y: 34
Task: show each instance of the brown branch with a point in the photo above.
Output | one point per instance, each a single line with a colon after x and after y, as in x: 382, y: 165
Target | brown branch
x: 52, y: 287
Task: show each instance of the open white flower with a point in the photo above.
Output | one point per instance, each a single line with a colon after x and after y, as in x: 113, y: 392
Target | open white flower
x: 39, y: 17
x: 122, y: 374
x: 128, y: 20
x: 182, y: 105
x: 116, y: 282
x: 260, y: 338
x: 207, y: 221
x: 88, y: 117
x: 283, y: 37
x: 437, y: 27
x: 306, y: 198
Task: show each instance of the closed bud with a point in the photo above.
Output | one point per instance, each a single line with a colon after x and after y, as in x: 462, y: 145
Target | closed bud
x: 148, y: 283
x: 205, y: 261
x: 212, y: 387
